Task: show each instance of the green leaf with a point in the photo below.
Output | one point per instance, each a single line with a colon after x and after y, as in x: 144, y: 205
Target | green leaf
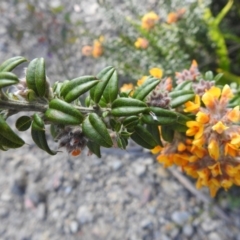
x: 122, y: 142
x: 143, y: 137
x: 95, y: 129
x: 10, y: 137
x: 167, y: 133
x: 181, y: 100
x: 63, y: 113
x: 104, y: 76
x: 36, y: 76
x: 156, y: 120
x: 130, y: 122
x: 23, y: 123
x: 11, y: 63
x: 73, y: 89
x: 111, y: 91
x: 40, y: 77
x: 7, y: 79
x: 38, y: 135
x: 179, y: 93
x: 186, y: 85
x: 209, y: 76
x: 154, y: 130
x: 142, y: 91
x: 94, y: 148
x: 127, y: 107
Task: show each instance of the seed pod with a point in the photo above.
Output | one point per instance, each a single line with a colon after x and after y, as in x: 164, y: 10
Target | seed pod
x: 95, y: 130
x: 142, y: 91
x: 63, y: 113
x: 11, y: 63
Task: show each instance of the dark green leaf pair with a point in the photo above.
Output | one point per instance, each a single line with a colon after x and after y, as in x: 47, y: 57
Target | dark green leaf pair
x: 107, y: 87
x: 142, y: 91
x: 95, y: 130
x: 36, y: 77
x: 179, y: 97
x: 127, y: 107
x: 72, y: 90
x: 8, y: 139
x: 11, y: 63
x: 63, y: 113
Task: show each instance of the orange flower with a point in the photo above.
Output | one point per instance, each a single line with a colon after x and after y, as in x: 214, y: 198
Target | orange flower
x: 126, y: 87
x: 213, y: 149
x: 87, y: 51
x: 141, y: 80
x: 149, y: 20
x: 172, y: 17
x: 141, y: 43
x: 195, y: 129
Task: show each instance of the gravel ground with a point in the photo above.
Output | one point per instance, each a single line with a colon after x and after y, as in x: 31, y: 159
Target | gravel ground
x: 123, y: 195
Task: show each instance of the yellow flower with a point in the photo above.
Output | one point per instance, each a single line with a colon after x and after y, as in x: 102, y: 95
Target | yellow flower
x: 156, y: 150
x: 97, y: 49
x: 126, y: 87
x: 213, y: 149
x: 195, y: 129
x: 233, y: 115
x: 141, y: 43
x: 226, y: 184
x: 149, y: 20
x: 230, y: 170
x: 181, y: 147
x: 226, y: 93
x: 167, y: 160
x: 202, y: 117
x: 141, y: 80
x: 193, y: 106
x: 219, y: 127
x: 214, y: 186
x: 230, y: 150
x: 210, y: 97
x: 215, y: 169
x: 156, y: 72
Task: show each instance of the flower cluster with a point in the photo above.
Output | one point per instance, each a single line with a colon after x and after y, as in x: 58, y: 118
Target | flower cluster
x: 210, y: 148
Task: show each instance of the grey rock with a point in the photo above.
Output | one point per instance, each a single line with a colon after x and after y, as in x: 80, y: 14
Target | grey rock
x: 139, y: 169
x: 84, y: 215
x: 116, y: 165
x: 188, y: 230
x: 41, y: 211
x: 3, y: 212
x: 209, y: 225
x: 74, y: 226
x: 146, y: 224
x: 213, y: 236
x: 180, y: 217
